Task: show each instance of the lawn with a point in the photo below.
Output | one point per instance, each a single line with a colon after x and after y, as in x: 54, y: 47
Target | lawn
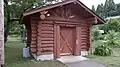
x: 111, y: 61
x: 13, y: 56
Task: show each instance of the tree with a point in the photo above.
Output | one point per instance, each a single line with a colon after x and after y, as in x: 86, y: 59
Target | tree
x: 112, y: 24
x: 118, y: 8
x: 108, y: 9
x: 15, y: 8
x: 93, y: 8
x: 99, y: 10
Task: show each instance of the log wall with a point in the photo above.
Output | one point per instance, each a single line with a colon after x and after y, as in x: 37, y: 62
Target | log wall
x: 33, y: 46
x: 45, y: 37
x: 42, y: 37
x: 85, y: 37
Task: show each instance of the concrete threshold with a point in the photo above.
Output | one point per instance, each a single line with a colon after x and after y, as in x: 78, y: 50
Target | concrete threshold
x: 69, y: 59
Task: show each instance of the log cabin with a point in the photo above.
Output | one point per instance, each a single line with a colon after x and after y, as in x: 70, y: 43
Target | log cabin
x: 60, y: 29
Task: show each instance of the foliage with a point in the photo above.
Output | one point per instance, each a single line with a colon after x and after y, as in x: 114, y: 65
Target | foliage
x: 13, y: 12
x: 93, y: 8
x: 111, y: 38
x: 110, y: 61
x: 100, y: 10
x: 108, y: 9
x: 15, y: 29
x: 112, y: 24
x: 102, y: 50
x: 96, y: 35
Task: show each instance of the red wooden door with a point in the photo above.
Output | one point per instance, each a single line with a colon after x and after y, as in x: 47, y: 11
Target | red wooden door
x: 67, y: 40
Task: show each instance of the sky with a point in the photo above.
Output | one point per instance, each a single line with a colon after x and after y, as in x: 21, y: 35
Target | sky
x: 89, y: 3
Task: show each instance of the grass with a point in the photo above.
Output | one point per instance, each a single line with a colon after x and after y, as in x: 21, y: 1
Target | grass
x: 13, y: 56
x: 111, y: 61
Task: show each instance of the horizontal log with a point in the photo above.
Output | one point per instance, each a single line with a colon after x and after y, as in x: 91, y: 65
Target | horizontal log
x: 85, y: 33
x: 33, y: 25
x: 84, y: 25
x: 66, y: 23
x: 47, y: 50
x: 47, y: 35
x: 84, y: 46
x: 33, y: 50
x: 46, y: 28
x: 34, y: 39
x: 34, y: 35
x: 33, y: 22
x: 34, y: 31
x: 84, y: 41
x: 33, y: 46
x: 46, y: 45
x: 47, y: 25
x: 47, y: 22
x: 47, y: 42
x: 84, y: 38
x: 47, y: 39
x: 83, y: 49
x: 47, y: 32
x: 85, y: 28
x: 33, y: 42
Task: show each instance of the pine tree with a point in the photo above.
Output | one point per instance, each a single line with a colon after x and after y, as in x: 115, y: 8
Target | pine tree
x: 99, y: 10
x: 93, y: 8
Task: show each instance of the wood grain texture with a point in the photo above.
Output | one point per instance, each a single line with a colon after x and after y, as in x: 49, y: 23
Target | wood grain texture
x: 78, y: 41
x: 39, y: 37
x: 33, y: 46
x: 85, y: 37
x: 45, y: 37
x: 58, y: 41
x: 90, y: 38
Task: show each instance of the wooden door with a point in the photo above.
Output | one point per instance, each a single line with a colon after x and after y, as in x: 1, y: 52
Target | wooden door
x: 67, y: 40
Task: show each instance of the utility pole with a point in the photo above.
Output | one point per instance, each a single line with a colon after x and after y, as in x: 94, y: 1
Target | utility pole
x: 1, y: 33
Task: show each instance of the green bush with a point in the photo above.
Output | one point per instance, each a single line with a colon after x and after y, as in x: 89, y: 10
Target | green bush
x: 111, y: 38
x: 96, y: 34
x: 112, y: 24
x: 102, y: 50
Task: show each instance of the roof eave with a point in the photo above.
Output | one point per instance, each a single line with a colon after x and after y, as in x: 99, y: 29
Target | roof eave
x: 45, y: 8
x: 90, y: 11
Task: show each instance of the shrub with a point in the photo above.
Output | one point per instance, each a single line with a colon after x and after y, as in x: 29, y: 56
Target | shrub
x: 96, y: 34
x: 102, y: 50
x: 111, y: 38
x: 112, y: 24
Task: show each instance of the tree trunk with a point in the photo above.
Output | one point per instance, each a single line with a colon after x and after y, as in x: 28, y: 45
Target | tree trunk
x: 1, y: 33
x: 6, y: 32
x: 7, y: 27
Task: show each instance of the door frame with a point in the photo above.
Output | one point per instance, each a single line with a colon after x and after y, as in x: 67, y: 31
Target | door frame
x: 56, y: 48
